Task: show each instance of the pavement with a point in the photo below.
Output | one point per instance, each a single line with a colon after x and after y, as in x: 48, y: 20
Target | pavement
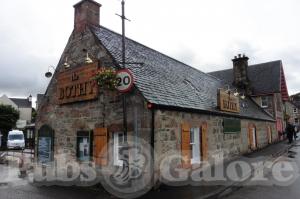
x: 273, y: 191
x: 13, y: 187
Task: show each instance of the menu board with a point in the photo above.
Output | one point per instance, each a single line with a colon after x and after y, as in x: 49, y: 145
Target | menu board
x: 44, y: 149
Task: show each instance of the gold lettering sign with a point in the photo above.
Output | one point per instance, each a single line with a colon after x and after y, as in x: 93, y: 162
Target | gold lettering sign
x: 76, y: 84
x: 228, y: 102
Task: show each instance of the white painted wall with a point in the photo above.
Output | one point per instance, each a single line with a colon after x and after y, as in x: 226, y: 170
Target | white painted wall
x: 6, y: 101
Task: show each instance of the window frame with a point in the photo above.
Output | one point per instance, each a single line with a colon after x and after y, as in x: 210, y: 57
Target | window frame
x: 295, y: 110
x: 116, y: 148
x: 84, y: 134
x: 196, y: 145
x: 264, y: 99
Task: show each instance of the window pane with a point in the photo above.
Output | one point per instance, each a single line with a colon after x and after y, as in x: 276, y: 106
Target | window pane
x: 192, y: 139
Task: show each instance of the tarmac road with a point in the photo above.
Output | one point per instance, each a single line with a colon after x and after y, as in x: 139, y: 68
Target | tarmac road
x: 272, y: 192
x: 13, y: 187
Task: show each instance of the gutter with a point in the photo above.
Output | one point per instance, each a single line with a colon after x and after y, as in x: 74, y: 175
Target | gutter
x: 207, y: 112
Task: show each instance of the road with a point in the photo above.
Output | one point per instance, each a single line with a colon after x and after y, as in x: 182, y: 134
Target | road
x: 13, y: 187
x: 271, y: 192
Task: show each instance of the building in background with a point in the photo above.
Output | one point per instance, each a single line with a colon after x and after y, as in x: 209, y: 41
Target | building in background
x: 264, y: 82
x: 295, y: 99
x: 23, y: 105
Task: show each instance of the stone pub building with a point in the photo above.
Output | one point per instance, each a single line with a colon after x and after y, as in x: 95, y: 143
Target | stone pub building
x: 172, y: 106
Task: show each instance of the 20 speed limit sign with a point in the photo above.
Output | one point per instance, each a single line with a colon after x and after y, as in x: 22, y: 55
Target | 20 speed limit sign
x: 124, y: 80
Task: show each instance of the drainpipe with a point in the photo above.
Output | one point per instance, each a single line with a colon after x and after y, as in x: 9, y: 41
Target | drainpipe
x: 152, y: 146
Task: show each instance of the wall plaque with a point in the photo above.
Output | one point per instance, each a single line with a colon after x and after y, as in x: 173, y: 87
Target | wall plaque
x: 76, y: 84
x: 228, y: 102
x: 231, y: 125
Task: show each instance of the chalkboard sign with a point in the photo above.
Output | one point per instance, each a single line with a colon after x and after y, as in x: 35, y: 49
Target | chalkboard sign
x: 231, y: 126
x: 44, y: 152
x: 45, y: 144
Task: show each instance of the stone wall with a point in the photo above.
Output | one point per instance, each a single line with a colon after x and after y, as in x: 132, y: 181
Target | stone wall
x: 220, y: 145
x: 106, y: 111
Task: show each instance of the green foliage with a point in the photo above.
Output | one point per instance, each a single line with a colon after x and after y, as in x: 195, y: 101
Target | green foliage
x: 8, y: 118
x: 33, y: 115
x: 106, y: 78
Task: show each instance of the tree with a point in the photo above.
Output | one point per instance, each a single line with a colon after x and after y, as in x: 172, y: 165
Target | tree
x: 33, y: 115
x: 8, y: 118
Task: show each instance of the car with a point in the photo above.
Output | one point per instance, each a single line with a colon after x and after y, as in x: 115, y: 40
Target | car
x: 15, y: 140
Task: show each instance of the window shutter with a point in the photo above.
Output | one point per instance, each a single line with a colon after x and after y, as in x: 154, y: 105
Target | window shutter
x: 269, y: 135
x: 100, y: 146
x: 185, y: 145
x: 204, y: 143
x: 251, y: 138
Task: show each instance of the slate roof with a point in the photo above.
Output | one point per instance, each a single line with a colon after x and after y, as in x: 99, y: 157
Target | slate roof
x: 264, y: 78
x: 21, y: 102
x: 165, y: 81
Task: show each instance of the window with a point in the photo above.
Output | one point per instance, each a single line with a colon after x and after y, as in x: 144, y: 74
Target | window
x: 264, y: 101
x: 295, y: 110
x: 119, y: 140
x: 84, y: 146
x: 296, y: 121
x: 195, y: 145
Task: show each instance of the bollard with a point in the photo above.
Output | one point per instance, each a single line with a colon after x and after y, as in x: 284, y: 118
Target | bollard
x: 22, y: 167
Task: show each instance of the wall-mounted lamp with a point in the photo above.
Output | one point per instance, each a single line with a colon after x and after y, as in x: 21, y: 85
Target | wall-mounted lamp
x: 243, y: 96
x: 236, y: 93
x: 66, y: 64
x: 88, y: 60
x: 49, y: 74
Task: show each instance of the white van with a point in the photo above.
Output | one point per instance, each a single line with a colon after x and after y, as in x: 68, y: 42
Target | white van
x: 15, y: 140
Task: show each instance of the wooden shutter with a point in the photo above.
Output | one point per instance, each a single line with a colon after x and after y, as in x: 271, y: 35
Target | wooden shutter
x: 251, y: 138
x: 185, y: 145
x: 100, y: 146
x: 269, y: 135
x: 204, y: 144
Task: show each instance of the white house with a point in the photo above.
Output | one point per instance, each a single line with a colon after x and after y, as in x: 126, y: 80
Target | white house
x: 23, y: 105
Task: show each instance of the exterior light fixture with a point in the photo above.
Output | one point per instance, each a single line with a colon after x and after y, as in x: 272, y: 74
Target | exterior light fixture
x: 228, y: 89
x: 49, y: 74
x: 243, y: 96
x: 88, y: 60
x: 66, y: 64
x: 236, y: 93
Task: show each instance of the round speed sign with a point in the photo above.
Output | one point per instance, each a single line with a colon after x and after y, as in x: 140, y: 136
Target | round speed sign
x: 124, y: 80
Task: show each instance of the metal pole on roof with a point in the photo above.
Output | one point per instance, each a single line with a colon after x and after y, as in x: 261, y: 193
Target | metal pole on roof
x: 123, y: 33
x: 123, y: 17
x: 123, y: 65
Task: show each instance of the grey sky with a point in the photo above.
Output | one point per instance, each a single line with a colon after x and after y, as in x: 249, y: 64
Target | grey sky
x: 205, y: 34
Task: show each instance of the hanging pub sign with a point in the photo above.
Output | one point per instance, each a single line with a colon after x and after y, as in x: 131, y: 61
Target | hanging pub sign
x: 124, y: 80
x: 77, y: 84
x: 228, y: 102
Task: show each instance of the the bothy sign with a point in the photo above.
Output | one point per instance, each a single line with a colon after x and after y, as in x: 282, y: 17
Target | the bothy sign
x: 77, y: 84
x: 228, y: 102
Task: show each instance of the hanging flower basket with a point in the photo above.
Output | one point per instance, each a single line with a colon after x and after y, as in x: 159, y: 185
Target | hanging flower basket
x: 106, y: 78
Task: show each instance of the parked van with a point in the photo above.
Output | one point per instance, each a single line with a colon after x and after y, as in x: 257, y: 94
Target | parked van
x: 15, y: 140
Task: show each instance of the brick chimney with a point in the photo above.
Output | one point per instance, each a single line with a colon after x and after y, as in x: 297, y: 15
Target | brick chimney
x: 87, y: 12
x: 240, y: 73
